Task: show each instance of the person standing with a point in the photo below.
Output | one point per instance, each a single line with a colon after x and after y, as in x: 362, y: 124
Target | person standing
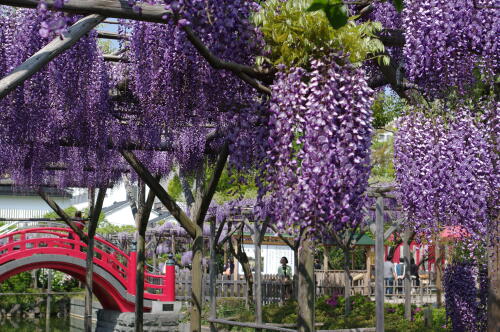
x: 80, y: 222
x: 414, y: 274
x: 389, y: 276
x: 400, y: 270
x: 285, y: 273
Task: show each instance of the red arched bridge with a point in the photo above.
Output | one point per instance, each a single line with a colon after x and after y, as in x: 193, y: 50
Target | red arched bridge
x: 25, y: 247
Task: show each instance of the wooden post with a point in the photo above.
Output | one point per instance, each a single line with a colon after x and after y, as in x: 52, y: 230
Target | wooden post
x: 141, y: 221
x: 306, y: 291
x: 379, y: 264
x: 347, y: 281
x: 94, y: 211
x: 196, y: 280
x: 325, y: 259
x: 49, y: 290
x: 407, y: 276
x: 494, y: 277
x: 258, y: 277
x: 213, y: 275
x: 57, y: 46
x: 439, y: 269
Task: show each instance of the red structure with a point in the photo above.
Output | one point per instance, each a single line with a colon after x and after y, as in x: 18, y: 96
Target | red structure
x: 114, y: 270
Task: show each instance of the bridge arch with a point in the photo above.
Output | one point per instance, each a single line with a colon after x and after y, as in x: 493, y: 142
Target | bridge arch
x: 111, y: 294
x: 58, y: 248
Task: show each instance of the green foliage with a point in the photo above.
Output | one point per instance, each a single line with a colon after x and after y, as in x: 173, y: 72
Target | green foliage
x: 335, y: 11
x: 386, y: 108
x: 398, y: 4
x: 336, y: 258
x: 235, y: 185
x: 105, y: 46
x: 382, y: 158
x: 174, y: 188
x: 293, y: 36
x: 69, y: 211
x: 105, y: 227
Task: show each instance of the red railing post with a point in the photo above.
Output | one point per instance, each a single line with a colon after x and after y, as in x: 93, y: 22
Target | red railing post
x: 23, y: 244
x: 169, y: 281
x: 131, y: 266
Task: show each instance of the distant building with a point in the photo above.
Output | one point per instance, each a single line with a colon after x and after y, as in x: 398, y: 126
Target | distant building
x: 26, y: 203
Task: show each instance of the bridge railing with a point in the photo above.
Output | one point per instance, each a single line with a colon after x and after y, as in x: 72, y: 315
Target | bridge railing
x: 63, y: 241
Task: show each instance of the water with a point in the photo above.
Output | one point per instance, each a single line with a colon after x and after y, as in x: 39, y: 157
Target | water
x: 34, y: 325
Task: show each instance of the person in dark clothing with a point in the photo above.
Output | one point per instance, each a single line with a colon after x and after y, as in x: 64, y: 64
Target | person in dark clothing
x: 414, y: 272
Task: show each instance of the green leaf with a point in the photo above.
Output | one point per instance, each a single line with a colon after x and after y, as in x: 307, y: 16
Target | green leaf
x: 317, y: 5
x: 398, y: 4
x: 337, y: 15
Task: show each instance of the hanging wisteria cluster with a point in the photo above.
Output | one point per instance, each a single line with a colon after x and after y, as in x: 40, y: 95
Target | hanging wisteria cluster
x: 181, y: 97
x: 59, y: 117
x: 391, y: 19
x: 319, y: 146
x: 444, y: 166
x: 447, y: 40
x: 463, y: 307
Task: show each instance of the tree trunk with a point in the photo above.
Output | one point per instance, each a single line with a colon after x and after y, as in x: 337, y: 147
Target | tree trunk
x: 141, y: 220
x: 238, y: 252
x: 139, y: 281
x: 196, y: 281
x: 347, y: 281
x: 306, y: 291
x: 439, y: 272
x: 494, y: 278
x: 94, y: 212
x: 89, y: 262
x: 295, y: 289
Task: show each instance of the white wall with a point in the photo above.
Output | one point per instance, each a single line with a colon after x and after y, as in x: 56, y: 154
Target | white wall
x: 121, y: 217
x: 271, y: 255
x: 27, y: 206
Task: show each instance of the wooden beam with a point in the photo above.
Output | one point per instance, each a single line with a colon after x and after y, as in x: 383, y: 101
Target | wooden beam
x: 57, y: 46
x: 162, y: 195
x: 115, y: 58
x: 111, y: 35
x: 60, y: 212
x: 154, y: 13
x: 108, y: 8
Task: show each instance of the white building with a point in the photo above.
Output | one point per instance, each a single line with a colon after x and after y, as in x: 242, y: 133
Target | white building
x: 22, y: 203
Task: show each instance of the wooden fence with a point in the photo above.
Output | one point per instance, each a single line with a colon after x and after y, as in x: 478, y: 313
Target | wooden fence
x: 274, y: 289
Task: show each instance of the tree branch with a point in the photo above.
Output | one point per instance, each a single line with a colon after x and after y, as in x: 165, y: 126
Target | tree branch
x: 217, y: 63
x: 162, y: 195
x: 60, y: 212
x: 188, y: 193
x: 392, y: 37
x: 282, y: 237
x: 96, y: 212
x: 201, y: 206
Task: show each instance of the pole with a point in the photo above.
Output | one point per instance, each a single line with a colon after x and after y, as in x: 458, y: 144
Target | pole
x: 258, y: 276
x: 213, y: 276
x: 49, y: 289
x: 379, y: 264
x: 407, y: 278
